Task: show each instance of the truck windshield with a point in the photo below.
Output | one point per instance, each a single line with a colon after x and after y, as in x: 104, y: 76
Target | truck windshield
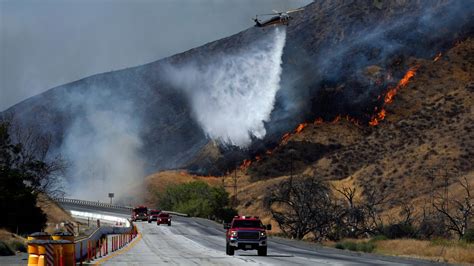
x: 164, y: 215
x: 154, y: 212
x: 140, y: 210
x: 247, y: 224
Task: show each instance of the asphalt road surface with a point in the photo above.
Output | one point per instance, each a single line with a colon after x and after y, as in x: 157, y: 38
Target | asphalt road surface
x: 195, y: 241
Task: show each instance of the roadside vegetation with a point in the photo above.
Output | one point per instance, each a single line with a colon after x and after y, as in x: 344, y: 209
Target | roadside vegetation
x: 197, y: 199
x: 25, y: 173
x: 306, y: 208
x: 11, y: 243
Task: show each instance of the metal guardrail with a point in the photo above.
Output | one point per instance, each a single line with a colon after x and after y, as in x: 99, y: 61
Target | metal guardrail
x: 81, y: 244
x: 92, y: 203
x: 88, y: 203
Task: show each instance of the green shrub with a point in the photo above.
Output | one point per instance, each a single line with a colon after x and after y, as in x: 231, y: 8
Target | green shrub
x: 378, y: 238
x: 5, y: 250
x: 17, y: 245
x: 350, y: 245
x: 367, y: 247
x: 197, y: 199
x: 469, y: 236
x: 354, y: 246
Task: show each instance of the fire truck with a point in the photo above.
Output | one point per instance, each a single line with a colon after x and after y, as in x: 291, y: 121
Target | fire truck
x: 246, y: 233
x: 140, y: 213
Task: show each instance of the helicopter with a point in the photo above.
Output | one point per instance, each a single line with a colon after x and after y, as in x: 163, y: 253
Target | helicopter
x: 278, y: 18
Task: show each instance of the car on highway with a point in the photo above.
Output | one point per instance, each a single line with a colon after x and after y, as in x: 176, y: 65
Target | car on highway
x: 140, y: 213
x: 164, y: 218
x: 246, y: 233
x: 153, y: 215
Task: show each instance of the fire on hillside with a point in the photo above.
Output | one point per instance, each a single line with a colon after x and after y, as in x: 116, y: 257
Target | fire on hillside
x: 380, y: 114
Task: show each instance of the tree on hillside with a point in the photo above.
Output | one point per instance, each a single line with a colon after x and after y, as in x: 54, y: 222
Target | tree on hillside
x: 22, y: 177
x: 17, y: 200
x: 197, y: 199
x: 301, y: 206
x: 44, y: 173
x: 459, y: 214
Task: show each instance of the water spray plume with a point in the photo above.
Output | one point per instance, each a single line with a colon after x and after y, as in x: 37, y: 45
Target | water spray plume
x: 233, y: 96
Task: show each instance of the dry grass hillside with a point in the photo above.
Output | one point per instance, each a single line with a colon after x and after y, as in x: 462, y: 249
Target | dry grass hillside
x: 426, y: 137
x: 54, y: 213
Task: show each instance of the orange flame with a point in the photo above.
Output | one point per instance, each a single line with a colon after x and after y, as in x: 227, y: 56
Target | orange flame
x: 381, y: 114
x: 300, y: 128
x: 245, y: 164
x: 374, y: 121
x: 391, y: 93
x: 402, y: 83
x: 285, y: 137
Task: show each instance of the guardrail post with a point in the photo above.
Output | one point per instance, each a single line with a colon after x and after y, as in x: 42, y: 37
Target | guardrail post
x: 80, y: 254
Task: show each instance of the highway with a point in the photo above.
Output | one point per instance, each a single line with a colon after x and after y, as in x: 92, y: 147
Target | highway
x: 197, y: 241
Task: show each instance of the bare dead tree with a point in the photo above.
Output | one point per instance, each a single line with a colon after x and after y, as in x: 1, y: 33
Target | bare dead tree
x: 349, y: 194
x: 350, y: 218
x: 373, y: 206
x: 44, y: 172
x: 301, y: 206
x: 458, y: 213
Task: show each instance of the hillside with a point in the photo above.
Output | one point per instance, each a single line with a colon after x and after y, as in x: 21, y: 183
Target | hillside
x: 426, y: 137
x: 213, y: 106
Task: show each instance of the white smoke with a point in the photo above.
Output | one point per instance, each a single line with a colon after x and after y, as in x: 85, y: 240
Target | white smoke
x: 232, y: 96
x: 103, y: 143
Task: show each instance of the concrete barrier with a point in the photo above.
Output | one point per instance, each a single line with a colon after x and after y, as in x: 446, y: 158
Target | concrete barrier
x: 81, y: 245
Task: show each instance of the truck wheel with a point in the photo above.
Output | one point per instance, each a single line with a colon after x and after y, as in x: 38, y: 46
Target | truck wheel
x: 157, y: 223
x: 262, y: 251
x: 169, y: 224
x: 229, y: 250
x: 149, y: 221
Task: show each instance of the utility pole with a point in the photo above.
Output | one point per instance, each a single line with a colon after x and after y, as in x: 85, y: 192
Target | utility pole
x: 233, y: 186
x: 291, y: 151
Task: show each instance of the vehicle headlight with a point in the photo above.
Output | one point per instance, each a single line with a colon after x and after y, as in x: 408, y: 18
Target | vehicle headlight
x: 233, y: 233
x: 263, y: 234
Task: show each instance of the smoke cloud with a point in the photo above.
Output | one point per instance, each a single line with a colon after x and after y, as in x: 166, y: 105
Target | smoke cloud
x: 233, y: 95
x: 103, y: 143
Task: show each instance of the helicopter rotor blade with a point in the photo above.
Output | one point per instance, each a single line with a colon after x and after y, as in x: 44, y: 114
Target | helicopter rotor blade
x: 294, y: 10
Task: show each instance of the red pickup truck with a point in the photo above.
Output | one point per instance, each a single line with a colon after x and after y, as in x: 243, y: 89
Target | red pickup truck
x: 153, y: 215
x: 140, y: 213
x: 246, y: 233
x: 163, y: 218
